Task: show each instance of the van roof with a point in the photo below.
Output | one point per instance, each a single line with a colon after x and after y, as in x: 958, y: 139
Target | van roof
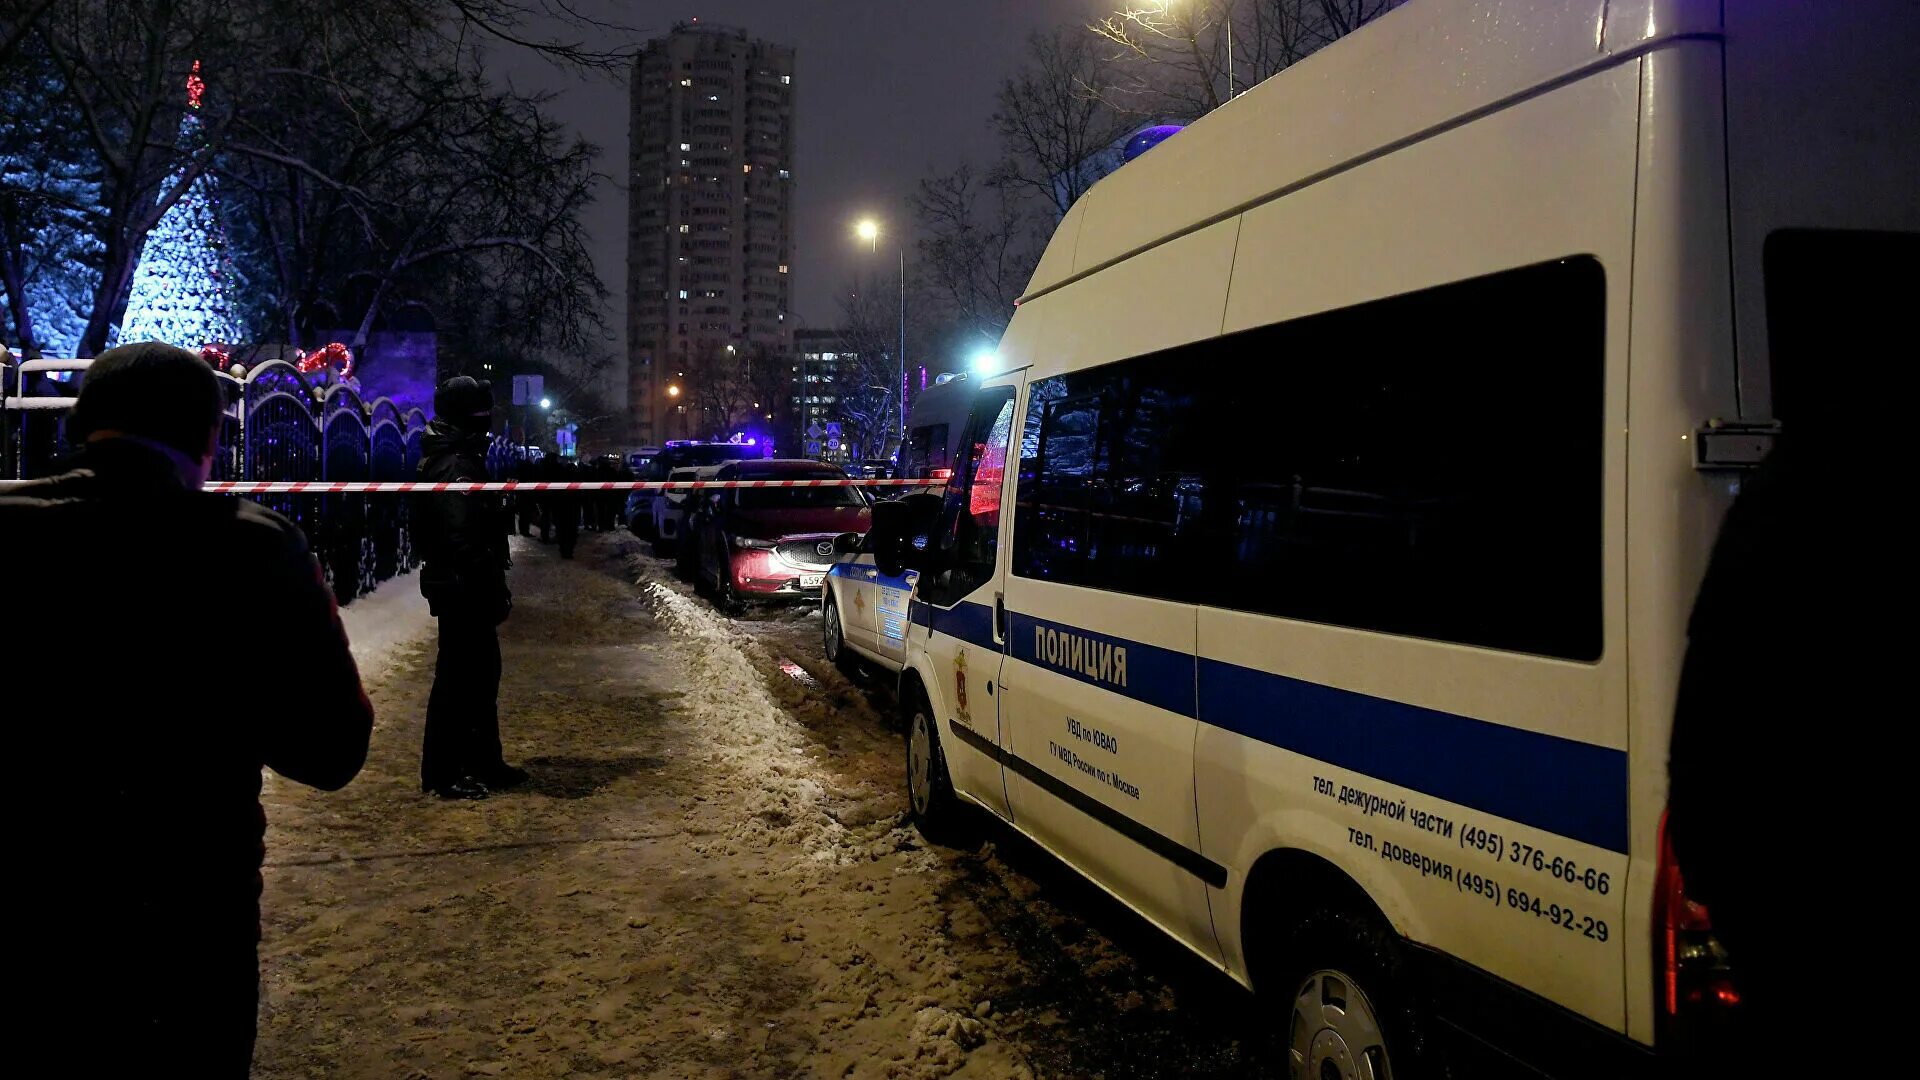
x: 1409, y: 75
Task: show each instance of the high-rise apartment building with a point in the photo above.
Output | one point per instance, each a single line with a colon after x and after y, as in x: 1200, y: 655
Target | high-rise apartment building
x: 709, y: 224
x: 815, y: 391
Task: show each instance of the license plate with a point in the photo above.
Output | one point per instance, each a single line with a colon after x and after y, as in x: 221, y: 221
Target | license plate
x: 811, y: 581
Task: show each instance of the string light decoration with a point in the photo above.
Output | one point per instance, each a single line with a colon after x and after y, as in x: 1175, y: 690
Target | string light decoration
x: 332, y: 353
x: 180, y: 289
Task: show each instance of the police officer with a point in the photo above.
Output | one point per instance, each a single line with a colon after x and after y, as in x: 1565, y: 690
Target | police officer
x: 462, y: 540
x: 565, y: 507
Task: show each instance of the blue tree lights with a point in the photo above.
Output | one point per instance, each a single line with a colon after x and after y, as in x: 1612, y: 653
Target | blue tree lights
x: 181, y: 288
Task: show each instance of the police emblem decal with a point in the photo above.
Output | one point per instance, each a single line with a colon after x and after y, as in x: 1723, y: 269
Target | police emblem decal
x: 960, y: 688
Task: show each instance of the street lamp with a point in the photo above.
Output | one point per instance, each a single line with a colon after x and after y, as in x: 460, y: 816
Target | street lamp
x: 673, y: 391
x: 868, y: 229
x: 546, y: 403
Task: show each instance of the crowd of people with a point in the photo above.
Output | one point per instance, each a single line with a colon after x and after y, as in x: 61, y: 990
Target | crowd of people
x: 558, y: 516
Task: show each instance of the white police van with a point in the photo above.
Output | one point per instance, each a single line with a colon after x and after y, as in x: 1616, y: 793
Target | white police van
x: 1316, y: 578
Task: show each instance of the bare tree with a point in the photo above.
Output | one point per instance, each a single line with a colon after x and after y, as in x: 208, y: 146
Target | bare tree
x: 1054, y: 118
x: 362, y: 137
x: 1284, y: 32
x: 867, y: 380
x: 719, y: 392
x: 1188, y: 57
x: 1173, y: 56
x: 979, y: 244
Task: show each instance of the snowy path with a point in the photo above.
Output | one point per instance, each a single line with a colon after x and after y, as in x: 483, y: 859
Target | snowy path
x: 707, y: 878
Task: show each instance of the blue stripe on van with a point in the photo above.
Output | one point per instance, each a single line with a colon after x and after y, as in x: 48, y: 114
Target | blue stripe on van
x: 968, y: 621
x: 1563, y: 786
x: 1157, y: 676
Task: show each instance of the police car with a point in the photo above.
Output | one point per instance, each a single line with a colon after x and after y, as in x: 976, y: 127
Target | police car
x: 1289, y: 573
x: 864, y: 612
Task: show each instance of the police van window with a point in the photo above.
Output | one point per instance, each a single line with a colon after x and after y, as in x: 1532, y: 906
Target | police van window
x: 1426, y: 465
x: 969, y: 529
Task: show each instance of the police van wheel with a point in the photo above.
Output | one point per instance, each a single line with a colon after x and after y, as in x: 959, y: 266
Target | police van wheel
x: 930, y: 798
x: 1349, y: 1017
x: 834, y: 635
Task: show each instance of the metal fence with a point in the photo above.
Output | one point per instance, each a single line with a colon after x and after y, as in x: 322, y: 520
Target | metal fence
x: 282, y: 426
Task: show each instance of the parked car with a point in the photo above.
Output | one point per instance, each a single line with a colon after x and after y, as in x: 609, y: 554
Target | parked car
x: 668, y: 514
x: 679, y: 455
x: 772, y: 543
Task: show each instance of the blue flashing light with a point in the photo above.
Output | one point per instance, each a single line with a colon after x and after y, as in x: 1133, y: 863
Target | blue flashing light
x: 1148, y: 138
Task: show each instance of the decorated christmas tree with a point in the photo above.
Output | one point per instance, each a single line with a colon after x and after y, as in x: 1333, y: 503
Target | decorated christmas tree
x: 180, y: 289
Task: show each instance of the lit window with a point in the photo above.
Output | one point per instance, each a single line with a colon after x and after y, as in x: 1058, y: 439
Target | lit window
x: 786, y: 80
x: 783, y: 268
x: 746, y: 168
x: 713, y: 97
x: 683, y: 294
x: 686, y: 82
x: 786, y: 174
x: 686, y: 146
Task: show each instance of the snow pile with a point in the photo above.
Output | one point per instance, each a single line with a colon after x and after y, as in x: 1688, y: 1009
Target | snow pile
x: 940, y: 1041
x: 756, y: 749
x: 383, y: 624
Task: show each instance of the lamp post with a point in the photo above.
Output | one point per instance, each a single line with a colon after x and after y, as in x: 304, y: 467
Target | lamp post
x: 869, y: 230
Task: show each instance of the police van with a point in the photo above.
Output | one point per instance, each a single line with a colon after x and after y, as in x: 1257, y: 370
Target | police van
x: 1315, y: 577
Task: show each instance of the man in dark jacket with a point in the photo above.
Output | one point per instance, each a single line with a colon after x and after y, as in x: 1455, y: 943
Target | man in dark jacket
x: 462, y: 541
x: 191, y: 642
x: 565, y: 507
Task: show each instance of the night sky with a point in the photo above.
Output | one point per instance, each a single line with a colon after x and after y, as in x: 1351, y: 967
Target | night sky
x: 887, y: 91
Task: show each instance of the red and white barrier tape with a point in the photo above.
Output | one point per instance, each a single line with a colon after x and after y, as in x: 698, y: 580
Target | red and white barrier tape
x: 325, y: 487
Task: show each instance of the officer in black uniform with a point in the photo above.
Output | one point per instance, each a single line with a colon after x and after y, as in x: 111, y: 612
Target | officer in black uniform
x: 463, y: 544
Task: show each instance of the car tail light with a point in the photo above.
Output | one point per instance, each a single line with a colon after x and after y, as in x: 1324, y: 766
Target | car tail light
x: 1697, y: 993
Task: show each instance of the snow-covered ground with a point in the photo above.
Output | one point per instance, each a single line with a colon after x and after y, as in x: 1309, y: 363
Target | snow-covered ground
x: 708, y: 877
x: 384, y: 623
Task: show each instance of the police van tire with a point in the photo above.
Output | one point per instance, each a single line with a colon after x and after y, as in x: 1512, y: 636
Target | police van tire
x: 662, y: 548
x: 833, y: 634
x: 1349, y: 1008
x: 931, y: 803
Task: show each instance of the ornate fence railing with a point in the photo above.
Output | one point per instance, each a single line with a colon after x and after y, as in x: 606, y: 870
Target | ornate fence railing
x: 289, y: 428
x: 282, y: 426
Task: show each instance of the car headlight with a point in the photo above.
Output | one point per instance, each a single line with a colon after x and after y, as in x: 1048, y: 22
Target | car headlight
x: 750, y: 542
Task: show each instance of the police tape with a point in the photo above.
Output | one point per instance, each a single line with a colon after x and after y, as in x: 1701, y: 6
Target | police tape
x: 405, y: 487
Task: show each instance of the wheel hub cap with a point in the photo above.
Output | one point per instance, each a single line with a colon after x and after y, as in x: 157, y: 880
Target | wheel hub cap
x: 1334, y: 1033
x: 919, y: 761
